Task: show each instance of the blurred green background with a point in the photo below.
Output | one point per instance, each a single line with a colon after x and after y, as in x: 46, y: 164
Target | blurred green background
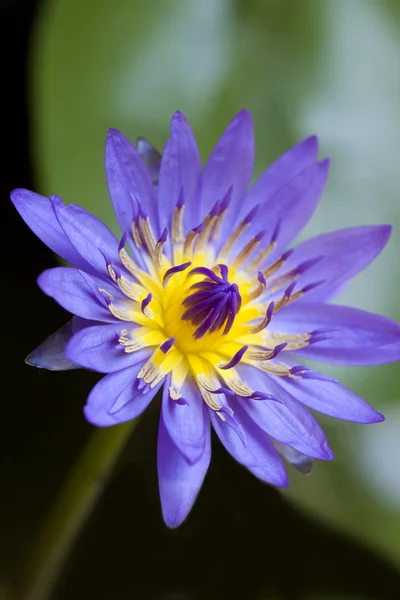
x: 329, y: 67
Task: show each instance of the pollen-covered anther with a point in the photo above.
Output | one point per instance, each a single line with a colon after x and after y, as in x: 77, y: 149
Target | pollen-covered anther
x: 260, y: 287
x: 294, y: 341
x: 285, y: 278
x: 130, y: 344
x: 163, y: 361
x: 279, y: 369
x: 247, y: 250
x: 177, y: 220
x: 131, y: 290
x: 118, y: 313
x: 148, y: 236
x: 207, y: 229
x: 207, y: 389
x: 190, y: 240
x: 267, y: 354
x: 277, y: 264
x: 236, y: 384
x: 287, y: 296
x: 136, y: 232
x: 306, y: 373
x: 266, y: 320
x: 128, y: 263
x: 304, y: 290
x: 158, y: 252
x: 262, y: 256
x: 220, y: 214
x: 236, y: 234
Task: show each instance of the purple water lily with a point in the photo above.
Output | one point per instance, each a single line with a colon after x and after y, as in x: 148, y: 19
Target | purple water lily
x: 200, y: 296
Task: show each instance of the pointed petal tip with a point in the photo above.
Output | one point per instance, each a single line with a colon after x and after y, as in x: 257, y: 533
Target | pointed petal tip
x: 15, y: 195
x: 173, y: 521
x: 283, y: 481
x: 113, y: 133
x: 385, y: 231
x: 33, y: 360
x: 179, y: 116
x: 377, y: 418
x: 327, y: 453
x: 243, y: 116
x: 311, y: 143
x: 324, y: 165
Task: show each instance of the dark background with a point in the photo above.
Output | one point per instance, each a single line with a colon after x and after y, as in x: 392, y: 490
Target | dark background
x: 242, y: 540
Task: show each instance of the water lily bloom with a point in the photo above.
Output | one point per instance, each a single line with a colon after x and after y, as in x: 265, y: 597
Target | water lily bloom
x: 201, y: 297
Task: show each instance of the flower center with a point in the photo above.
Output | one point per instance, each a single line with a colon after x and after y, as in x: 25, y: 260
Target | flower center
x: 197, y: 315
x: 200, y: 308
x: 213, y: 303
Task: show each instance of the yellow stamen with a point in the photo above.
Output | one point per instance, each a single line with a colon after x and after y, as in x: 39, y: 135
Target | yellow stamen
x: 258, y: 260
x: 245, y: 253
x: 231, y: 241
x: 177, y: 225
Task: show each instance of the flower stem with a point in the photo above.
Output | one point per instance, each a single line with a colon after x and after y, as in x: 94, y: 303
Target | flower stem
x: 72, y: 508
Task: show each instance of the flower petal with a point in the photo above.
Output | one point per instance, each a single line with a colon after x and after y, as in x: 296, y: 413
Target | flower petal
x: 287, y: 421
x: 344, y: 253
x: 299, y: 461
x: 353, y: 336
x: 287, y: 166
x: 89, y: 236
x: 293, y: 205
x: 186, y: 422
x: 37, y: 212
x: 180, y: 171
x: 51, y: 353
x: 331, y: 398
x: 128, y: 177
x: 260, y: 456
x: 229, y: 165
x: 179, y: 481
x: 68, y: 287
x: 98, y: 348
x: 287, y: 211
x: 120, y: 387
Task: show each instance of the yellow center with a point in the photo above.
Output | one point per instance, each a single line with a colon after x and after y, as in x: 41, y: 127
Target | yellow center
x: 154, y: 307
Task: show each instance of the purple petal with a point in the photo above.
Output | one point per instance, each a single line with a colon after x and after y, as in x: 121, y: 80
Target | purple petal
x: 128, y: 177
x: 120, y: 387
x: 180, y: 171
x: 287, y: 421
x: 354, y: 337
x: 179, y: 481
x: 344, y: 253
x: 287, y: 166
x: 290, y: 208
x: 186, y: 423
x: 98, y: 348
x: 230, y: 164
x: 68, y: 287
x: 37, y: 212
x: 331, y: 399
x: 299, y: 461
x: 151, y: 158
x: 90, y: 236
x: 51, y: 353
x: 260, y: 456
